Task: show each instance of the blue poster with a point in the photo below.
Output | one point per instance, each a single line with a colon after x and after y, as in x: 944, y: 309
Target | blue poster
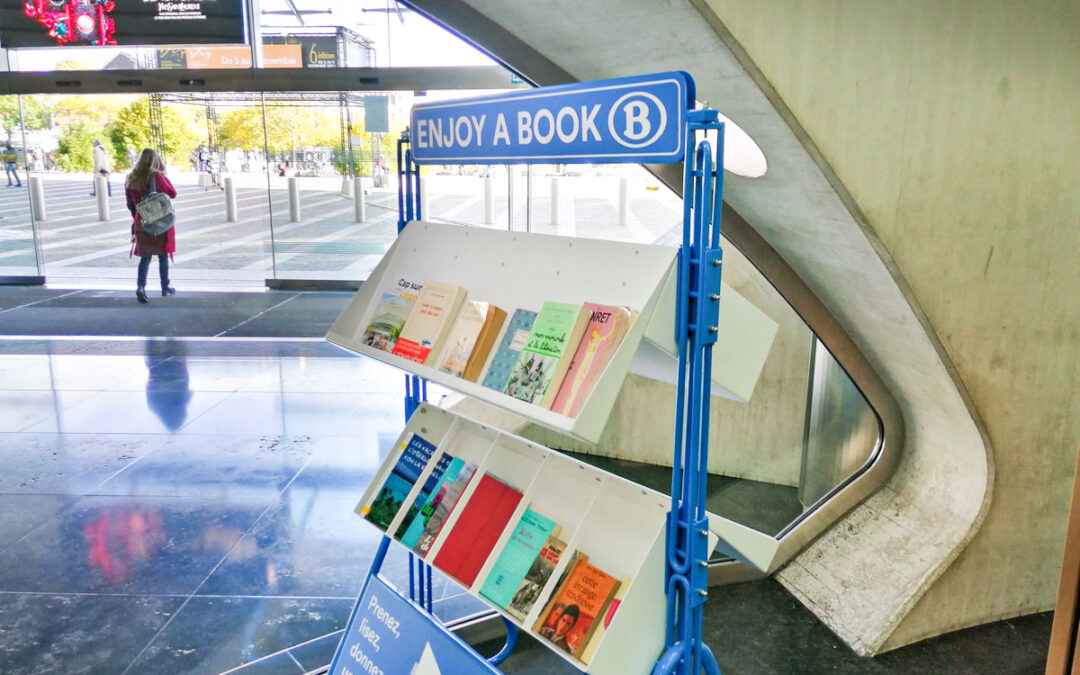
x: 630, y: 119
x: 388, y: 635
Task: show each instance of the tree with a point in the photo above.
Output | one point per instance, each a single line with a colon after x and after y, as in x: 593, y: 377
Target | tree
x: 131, y: 129
x: 37, y: 113
x: 75, y: 151
x: 241, y: 129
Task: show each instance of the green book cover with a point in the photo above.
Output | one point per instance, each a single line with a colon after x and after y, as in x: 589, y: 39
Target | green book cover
x: 517, y: 557
x: 553, y: 337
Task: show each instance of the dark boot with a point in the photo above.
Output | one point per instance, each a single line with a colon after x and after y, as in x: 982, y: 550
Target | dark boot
x: 140, y: 294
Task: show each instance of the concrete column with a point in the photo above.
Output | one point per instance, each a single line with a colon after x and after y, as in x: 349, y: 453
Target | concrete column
x: 554, y: 200
x: 624, y: 200
x: 231, y: 214
x: 346, y: 187
x: 359, y: 200
x: 101, y: 187
x: 294, y: 200
x: 37, y: 199
x: 489, y: 200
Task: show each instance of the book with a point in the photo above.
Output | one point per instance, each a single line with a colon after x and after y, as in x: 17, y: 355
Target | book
x: 539, y: 573
x: 479, y: 526
x: 513, y: 339
x: 390, y: 315
x: 546, y: 355
x: 606, y: 328
x: 569, y: 619
x: 415, y: 525
x: 601, y: 628
x: 426, y: 492
x: 444, y: 502
x: 470, y: 340
x: 422, y: 337
x: 525, y: 544
x: 416, y: 453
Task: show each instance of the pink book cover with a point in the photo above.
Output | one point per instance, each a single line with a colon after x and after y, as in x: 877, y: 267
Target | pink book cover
x: 602, y: 336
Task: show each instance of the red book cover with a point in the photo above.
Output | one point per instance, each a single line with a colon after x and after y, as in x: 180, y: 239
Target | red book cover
x: 478, y: 527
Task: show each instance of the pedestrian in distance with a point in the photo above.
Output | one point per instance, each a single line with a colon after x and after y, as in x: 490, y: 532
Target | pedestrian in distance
x: 102, y: 167
x: 9, y: 165
x: 150, y: 167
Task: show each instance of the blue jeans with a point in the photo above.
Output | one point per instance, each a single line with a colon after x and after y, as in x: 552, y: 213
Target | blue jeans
x: 163, y: 270
x: 12, y: 171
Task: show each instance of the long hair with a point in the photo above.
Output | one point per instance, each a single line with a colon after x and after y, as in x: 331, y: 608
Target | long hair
x: 148, y: 162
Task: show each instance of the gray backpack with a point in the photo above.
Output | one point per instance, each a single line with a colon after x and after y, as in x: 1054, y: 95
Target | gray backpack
x: 155, y: 210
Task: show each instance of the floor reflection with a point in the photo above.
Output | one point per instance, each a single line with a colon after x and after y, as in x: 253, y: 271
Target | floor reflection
x: 200, y: 505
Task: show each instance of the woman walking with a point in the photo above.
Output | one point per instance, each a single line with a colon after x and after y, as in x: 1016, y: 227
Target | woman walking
x: 150, y: 167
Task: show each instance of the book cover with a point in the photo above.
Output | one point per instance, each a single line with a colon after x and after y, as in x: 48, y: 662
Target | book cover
x: 606, y: 328
x: 466, y: 335
x: 598, y: 635
x: 525, y: 544
x: 493, y: 323
x: 426, y: 492
x: 570, y: 617
x: 444, y: 502
x: 539, y: 572
x: 396, y: 488
x: 506, y: 356
x: 390, y: 315
x: 422, y: 337
x: 476, y: 530
x: 414, y: 526
x: 546, y: 355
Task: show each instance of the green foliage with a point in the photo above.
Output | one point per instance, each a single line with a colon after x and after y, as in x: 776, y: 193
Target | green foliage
x: 76, y: 150
x: 131, y: 128
x: 37, y: 113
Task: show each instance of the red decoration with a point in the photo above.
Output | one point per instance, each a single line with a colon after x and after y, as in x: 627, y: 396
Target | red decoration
x: 75, y: 21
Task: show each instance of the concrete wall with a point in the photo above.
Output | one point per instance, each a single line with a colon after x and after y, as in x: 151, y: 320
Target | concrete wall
x: 954, y: 126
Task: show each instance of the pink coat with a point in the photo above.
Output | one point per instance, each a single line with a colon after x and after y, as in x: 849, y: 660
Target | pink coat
x: 144, y: 243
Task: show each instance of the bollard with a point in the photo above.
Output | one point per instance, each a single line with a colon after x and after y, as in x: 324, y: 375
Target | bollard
x: 37, y: 200
x: 554, y: 200
x: 624, y: 200
x: 230, y: 200
x: 359, y: 200
x: 424, y: 212
x: 101, y: 187
x: 346, y: 187
x: 294, y: 200
x: 489, y: 200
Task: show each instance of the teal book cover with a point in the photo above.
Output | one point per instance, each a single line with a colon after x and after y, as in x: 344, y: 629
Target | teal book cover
x: 431, y: 486
x: 506, y: 356
x: 414, y: 527
x: 517, y: 557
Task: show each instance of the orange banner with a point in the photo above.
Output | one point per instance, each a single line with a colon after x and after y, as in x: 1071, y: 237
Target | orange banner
x: 282, y: 56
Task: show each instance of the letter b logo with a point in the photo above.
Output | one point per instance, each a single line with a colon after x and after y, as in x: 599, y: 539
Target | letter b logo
x: 637, y: 119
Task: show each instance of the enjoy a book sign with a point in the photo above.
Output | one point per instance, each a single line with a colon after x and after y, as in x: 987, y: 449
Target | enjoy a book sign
x: 630, y: 119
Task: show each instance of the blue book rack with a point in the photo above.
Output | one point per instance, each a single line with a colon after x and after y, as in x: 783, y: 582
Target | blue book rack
x: 642, y: 119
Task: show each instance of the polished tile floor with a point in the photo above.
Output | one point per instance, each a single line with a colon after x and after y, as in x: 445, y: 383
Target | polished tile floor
x: 173, y: 506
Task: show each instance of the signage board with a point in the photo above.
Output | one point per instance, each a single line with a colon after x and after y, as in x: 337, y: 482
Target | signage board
x: 274, y: 56
x: 387, y: 634
x: 58, y: 23
x: 630, y: 119
x: 376, y: 114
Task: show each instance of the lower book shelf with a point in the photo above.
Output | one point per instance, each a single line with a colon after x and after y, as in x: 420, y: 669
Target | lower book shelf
x: 570, y: 553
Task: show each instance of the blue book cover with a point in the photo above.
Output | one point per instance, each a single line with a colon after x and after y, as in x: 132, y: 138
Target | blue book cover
x: 431, y: 486
x: 517, y: 557
x: 399, y: 483
x: 417, y: 523
x: 506, y: 356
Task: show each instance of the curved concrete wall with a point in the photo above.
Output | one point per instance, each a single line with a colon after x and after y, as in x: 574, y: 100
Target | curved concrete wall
x: 864, y: 576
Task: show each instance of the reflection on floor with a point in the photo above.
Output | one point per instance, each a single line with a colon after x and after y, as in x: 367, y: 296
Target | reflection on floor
x: 170, y: 506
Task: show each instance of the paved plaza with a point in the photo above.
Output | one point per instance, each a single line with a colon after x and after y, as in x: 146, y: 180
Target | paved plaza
x: 77, y: 248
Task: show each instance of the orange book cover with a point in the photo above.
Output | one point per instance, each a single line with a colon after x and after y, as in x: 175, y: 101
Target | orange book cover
x: 484, y: 342
x: 570, y: 618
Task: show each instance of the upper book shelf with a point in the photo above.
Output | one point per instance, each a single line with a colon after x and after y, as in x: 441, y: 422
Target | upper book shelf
x: 515, y: 270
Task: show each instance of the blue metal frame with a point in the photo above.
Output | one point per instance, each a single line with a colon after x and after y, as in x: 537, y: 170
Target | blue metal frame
x: 700, y: 263
x: 697, y: 315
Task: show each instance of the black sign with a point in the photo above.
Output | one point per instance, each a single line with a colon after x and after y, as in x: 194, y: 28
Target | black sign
x: 52, y: 23
x: 171, y: 59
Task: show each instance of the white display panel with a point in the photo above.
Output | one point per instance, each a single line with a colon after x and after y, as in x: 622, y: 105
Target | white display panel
x: 620, y: 525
